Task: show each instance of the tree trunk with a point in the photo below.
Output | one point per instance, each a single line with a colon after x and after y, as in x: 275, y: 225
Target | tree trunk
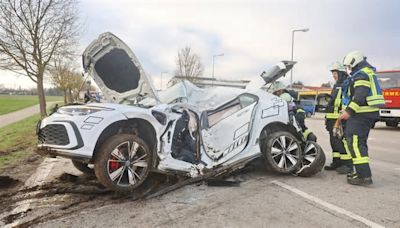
x: 65, y: 97
x: 42, y: 98
x: 70, y: 96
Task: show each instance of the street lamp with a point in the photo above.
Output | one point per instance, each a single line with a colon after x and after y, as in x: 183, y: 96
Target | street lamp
x: 291, y: 71
x: 161, y: 80
x: 222, y: 54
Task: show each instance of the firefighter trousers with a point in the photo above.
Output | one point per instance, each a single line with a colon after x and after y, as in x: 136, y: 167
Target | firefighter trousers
x: 339, y: 153
x: 356, y: 133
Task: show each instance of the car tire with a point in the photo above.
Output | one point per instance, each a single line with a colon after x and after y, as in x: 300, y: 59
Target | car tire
x: 83, y: 167
x: 123, y: 162
x: 392, y: 123
x: 308, y: 114
x: 314, y: 158
x: 282, y: 152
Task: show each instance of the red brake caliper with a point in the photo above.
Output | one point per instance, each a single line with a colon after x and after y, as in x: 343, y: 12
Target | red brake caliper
x: 114, y: 165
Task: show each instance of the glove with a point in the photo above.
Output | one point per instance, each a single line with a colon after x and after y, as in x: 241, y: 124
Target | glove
x: 337, y: 130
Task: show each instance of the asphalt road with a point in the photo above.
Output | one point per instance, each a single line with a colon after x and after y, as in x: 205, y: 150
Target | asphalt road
x: 265, y: 199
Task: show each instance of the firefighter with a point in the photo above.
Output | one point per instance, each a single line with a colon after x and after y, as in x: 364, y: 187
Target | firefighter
x: 362, y: 97
x: 341, y: 161
x: 296, y: 109
x: 300, y: 118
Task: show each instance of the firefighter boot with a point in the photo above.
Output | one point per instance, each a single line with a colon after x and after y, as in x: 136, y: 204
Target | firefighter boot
x: 355, y: 179
x: 333, y: 166
x: 344, y: 169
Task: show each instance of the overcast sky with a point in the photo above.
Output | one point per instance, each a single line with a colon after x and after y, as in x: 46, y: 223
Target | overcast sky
x: 251, y: 34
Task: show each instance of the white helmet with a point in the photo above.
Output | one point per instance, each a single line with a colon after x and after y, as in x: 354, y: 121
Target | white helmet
x: 353, y: 58
x: 337, y: 66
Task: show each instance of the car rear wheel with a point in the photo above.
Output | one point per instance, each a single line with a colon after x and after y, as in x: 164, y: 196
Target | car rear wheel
x: 313, y: 160
x: 282, y: 152
x: 123, y: 162
x: 83, y: 167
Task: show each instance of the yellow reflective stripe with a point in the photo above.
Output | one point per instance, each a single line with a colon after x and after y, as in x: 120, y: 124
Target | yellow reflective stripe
x: 376, y: 97
x: 336, y: 106
x: 345, y: 157
x: 306, y: 133
x: 362, y: 109
x: 376, y: 102
x: 300, y: 110
x: 359, y: 161
x: 370, y: 73
x: 362, y: 83
x: 355, y: 146
x: 332, y: 115
x: 336, y: 154
x: 354, y: 106
x: 346, y: 147
x: 338, y: 101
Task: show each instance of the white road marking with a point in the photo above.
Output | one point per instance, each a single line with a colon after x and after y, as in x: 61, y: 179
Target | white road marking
x: 330, y: 206
x: 38, y: 178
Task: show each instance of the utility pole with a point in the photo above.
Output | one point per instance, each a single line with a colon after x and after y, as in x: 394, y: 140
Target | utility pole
x: 222, y: 54
x: 161, y: 79
x: 291, y: 59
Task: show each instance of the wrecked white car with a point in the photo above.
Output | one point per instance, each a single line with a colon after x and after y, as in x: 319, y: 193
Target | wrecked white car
x: 188, y: 131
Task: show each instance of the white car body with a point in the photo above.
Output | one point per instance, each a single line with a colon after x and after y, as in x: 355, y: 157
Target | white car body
x: 227, y: 137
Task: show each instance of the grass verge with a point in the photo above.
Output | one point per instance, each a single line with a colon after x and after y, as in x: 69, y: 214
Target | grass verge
x: 12, y: 103
x: 17, y: 141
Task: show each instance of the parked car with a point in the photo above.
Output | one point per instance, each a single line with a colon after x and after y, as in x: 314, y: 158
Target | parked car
x: 190, y: 132
x: 308, y: 107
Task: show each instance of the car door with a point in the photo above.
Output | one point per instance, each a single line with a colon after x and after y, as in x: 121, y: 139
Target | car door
x: 229, y: 126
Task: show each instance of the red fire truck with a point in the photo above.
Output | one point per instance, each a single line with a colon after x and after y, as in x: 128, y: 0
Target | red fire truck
x: 390, y: 83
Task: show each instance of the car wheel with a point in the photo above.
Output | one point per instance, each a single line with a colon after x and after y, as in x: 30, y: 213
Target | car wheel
x: 313, y: 160
x: 83, y: 167
x: 308, y: 114
x: 282, y: 152
x: 391, y: 123
x: 123, y: 162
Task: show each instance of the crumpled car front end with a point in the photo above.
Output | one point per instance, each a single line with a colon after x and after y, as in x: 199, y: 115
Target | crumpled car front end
x: 73, y: 130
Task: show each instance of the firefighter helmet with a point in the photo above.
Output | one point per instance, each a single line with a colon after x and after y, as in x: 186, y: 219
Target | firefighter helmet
x: 353, y: 58
x: 337, y: 66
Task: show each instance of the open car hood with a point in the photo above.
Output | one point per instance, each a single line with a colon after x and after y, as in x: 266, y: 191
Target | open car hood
x: 116, y: 70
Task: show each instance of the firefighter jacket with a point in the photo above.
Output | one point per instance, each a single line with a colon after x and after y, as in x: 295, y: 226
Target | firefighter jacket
x: 335, y: 104
x: 361, y: 92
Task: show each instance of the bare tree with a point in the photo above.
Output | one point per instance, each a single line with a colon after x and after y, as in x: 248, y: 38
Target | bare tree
x: 65, y: 78
x: 33, y: 33
x: 188, y: 64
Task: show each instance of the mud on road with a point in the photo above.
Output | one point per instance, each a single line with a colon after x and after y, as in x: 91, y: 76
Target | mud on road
x: 24, y: 206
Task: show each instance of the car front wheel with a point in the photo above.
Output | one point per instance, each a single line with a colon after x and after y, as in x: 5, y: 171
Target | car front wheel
x: 313, y: 160
x: 123, y: 162
x: 282, y: 152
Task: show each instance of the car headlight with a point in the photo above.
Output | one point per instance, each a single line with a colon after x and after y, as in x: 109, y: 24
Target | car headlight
x: 81, y: 111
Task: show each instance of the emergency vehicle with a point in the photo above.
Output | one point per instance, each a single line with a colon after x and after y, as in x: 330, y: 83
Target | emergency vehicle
x: 390, y: 83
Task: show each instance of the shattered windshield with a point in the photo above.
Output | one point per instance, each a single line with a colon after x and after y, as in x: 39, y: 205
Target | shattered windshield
x: 389, y: 80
